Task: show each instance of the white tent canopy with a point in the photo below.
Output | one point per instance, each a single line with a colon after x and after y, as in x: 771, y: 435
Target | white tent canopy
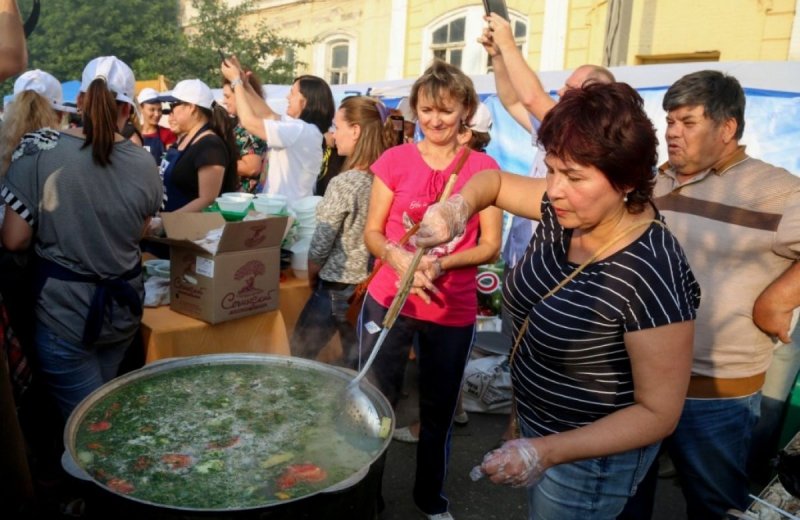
x: 772, y: 116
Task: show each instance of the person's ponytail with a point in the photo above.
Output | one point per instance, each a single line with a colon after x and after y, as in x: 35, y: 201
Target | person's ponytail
x: 100, y: 121
x: 222, y: 124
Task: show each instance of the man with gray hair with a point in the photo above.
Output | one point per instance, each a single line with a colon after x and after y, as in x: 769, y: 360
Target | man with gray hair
x: 738, y: 219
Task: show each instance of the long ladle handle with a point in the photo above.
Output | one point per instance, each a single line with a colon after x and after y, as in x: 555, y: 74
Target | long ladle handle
x: 408, y: 277
x: 405, y: 285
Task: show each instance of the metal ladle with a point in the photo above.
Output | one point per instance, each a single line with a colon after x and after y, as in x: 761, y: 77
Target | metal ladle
x: 358, y: 416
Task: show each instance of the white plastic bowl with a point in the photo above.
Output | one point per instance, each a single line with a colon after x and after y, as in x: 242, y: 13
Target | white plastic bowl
x: 233, y: 205
x: 157, y: 267
x: 237, y: 195
x: 306, y: 231
x: 306, y: 205
x: 270, y: 204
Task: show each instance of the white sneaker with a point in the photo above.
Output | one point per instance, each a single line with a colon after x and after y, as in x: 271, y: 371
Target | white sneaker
x: 440, y: 516
x: 404, y: 435
x: 461, y: 418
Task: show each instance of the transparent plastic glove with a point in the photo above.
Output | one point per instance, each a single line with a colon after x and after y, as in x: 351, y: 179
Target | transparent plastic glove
x: 155, y: 227
x: 397, y: 257
x: 476, y: 473
x: 443, y: 221
x: 516, y: 463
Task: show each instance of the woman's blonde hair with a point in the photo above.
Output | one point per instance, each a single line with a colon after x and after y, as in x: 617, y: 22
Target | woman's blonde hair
x: 28, y: 112
x: 373, y: 141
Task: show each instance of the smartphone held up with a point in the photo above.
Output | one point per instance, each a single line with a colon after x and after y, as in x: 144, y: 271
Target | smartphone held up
x: 496, y: 6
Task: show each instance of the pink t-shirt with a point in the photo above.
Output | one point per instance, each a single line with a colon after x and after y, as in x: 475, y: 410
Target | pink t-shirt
x: 416, y: 186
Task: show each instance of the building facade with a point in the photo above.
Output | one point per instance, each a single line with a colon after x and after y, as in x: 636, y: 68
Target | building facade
x: 356, y: 41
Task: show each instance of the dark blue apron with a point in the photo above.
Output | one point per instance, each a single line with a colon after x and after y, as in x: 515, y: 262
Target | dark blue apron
x: 174, y: 197
x: 107, y: 291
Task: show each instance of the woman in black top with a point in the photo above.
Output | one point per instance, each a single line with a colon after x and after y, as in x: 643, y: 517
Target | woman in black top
x: 603, y: 362
x: 203, y: 164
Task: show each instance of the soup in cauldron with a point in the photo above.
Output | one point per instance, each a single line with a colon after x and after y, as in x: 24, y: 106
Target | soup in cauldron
x: 219, y: 436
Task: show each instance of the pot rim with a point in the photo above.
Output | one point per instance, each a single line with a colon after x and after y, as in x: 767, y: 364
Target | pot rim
x: 166, y: 365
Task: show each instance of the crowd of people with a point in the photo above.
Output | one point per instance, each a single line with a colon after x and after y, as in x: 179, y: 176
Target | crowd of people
x: 643, y: 302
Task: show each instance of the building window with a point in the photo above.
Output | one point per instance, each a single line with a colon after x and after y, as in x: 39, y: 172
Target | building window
x: 334, y: 58
x: 450, y: 38
x: 448, y: 42
x: 338, y: 61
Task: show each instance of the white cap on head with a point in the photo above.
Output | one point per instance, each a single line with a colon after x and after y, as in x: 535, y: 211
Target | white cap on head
x: 148, y: 95
x: 481, y: 120
x: 404, y: 106
x: 118, y: 76
x: 45, y: 85
x: 191, y: 91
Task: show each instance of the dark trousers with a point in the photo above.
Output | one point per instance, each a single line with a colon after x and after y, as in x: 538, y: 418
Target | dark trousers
x: 443, y: 354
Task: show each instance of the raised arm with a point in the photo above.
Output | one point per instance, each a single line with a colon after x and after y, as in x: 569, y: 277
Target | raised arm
x: 524, y: 82
x: 505, y: 91
x: 251, y: 108
x: 514, y: 193
x: 13, y: 52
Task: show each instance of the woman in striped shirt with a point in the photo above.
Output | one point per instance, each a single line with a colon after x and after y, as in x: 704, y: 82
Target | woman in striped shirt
x: 601, y: 370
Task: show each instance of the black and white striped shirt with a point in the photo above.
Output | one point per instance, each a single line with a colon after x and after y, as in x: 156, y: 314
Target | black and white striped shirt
x: 571, y: 367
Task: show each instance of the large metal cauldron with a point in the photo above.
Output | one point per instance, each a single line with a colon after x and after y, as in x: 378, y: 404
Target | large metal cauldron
x: 344, y: 494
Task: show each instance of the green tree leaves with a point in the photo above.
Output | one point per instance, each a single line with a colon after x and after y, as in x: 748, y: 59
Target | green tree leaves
x: 147, y: 35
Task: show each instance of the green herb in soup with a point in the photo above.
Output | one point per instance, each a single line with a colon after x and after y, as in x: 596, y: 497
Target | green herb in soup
x: 218, y: 437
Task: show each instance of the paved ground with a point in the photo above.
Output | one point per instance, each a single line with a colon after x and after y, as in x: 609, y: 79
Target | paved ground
x: 480, y: 500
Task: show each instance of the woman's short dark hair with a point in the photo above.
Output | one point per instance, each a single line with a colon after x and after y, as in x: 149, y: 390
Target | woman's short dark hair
x: 604, y: 125
x: 319, y: 107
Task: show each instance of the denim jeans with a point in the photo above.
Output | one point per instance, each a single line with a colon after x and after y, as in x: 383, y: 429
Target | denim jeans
x: 323, y: 315
x: 443, y: 354
x: 593, y: 489
x: 72, y: 371
x: 709, y: 449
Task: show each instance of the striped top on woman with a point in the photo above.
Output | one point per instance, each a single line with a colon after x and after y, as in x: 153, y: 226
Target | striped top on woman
x: 571, y: 367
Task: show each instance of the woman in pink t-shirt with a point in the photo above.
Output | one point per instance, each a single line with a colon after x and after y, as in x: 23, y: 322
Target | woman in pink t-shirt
x: 409, y: 178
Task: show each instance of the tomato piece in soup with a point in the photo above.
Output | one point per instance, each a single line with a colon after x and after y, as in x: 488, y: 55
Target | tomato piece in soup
x: 307, y: 472
x: 120, y: 485
x: 99, y: 426
x: 176, y: 460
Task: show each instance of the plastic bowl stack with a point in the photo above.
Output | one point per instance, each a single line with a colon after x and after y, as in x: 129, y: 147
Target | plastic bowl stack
x: 270, y: 203
x: 305, y: 211
x: 157, y: 267
x: 234, y: 202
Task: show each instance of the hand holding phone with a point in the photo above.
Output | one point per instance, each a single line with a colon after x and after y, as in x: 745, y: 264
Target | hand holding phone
x: 221, y: 55
x: 496, y: 6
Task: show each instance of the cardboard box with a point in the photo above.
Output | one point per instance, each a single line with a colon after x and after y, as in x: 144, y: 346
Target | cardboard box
x: 239, y: 279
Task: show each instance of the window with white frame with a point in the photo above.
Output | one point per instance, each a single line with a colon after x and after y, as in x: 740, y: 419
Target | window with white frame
x: 334, y: 58
x: 448, y: 41
x: 338, y: 62
x: 452, y: 38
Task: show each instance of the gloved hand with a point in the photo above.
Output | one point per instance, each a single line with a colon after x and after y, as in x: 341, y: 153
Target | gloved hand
x: 400, y: 259
x: 155, y: 227
x: 443, y: 221
x: 516, y: 463
x: 397, y: 257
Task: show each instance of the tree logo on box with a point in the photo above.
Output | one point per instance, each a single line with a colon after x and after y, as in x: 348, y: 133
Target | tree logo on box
x: 248, y: 273
x: 257, y: 238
